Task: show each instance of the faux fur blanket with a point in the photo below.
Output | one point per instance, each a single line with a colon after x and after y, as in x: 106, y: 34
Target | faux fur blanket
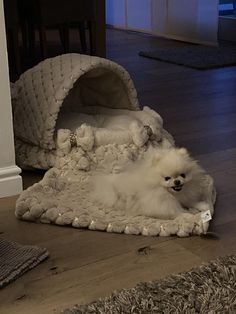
x: 63, y: 199
x: 63, y: 196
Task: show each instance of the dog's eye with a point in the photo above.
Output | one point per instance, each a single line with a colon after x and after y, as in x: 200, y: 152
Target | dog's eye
x: 183, y: 175
x: 167, y: 178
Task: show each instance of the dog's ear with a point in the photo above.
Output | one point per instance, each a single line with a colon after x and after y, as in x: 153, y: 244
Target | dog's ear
x: 154, y: 157
x: 183, y: 152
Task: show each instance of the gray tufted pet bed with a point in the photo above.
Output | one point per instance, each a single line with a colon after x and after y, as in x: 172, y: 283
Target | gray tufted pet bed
x: 76, y: 115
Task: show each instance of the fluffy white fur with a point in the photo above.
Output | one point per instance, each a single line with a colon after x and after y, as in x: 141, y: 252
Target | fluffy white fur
x: 164, y: 184
x: 106, y: 125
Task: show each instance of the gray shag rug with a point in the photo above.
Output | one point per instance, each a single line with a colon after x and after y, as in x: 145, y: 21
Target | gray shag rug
x: 16, y: 259
x: 195, y: 56
x: 210, y: 288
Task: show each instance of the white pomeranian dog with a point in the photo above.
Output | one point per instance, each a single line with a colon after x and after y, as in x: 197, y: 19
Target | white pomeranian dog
x: 164, y: 184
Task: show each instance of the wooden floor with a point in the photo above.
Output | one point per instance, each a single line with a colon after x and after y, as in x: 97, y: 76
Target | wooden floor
x: 199, y: 109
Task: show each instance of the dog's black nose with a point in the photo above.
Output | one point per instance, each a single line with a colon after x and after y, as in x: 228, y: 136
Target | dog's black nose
x: 177, y: 182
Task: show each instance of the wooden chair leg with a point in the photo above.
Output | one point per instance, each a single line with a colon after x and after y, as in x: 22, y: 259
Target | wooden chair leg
x: 43, y: 41
x: 98, y: 31
x: 82, y: 34
x: 90, y: 38
x: 16, y: 49
x: 25, y: 41
x: 31, y: 38
x: 64, y: 37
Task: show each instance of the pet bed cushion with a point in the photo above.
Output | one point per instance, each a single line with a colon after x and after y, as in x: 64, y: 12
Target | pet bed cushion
x: 76, y: 115
x: 74, y: 85
x: 63, y: 197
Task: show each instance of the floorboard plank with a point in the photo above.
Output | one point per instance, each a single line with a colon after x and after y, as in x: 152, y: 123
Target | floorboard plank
x: 86, y: 283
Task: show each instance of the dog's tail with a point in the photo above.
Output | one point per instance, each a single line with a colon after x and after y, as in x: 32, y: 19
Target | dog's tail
x: 104, y: 192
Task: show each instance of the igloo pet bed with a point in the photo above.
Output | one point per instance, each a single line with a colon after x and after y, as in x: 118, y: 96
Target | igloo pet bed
x: 78, y: 115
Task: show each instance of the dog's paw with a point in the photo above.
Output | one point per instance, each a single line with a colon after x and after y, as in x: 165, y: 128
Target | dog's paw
x: 202, y: 206
x: 105, y: 202
x: 139, y: 133
x: 104, y: 199
x: 85, y: 137
x: 200, y: 226
x: 153, y: 114
x: 192, y: 210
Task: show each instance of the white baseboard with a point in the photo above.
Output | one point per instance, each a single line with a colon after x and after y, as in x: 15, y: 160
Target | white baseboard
x: 168, y: 36
x: 10, y: 181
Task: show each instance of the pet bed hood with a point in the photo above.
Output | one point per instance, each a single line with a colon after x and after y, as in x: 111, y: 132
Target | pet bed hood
x: 68, y: 81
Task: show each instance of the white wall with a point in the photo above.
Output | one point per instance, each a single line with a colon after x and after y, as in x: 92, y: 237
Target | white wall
x: 116, y: 13
x: 188, y: 20
x: 139, y: 14
x: 10, y: 181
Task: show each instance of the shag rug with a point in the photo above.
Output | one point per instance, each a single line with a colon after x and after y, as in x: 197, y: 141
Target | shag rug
x: 210, y: 288
x: 16, y: 259
x: 195, y: 56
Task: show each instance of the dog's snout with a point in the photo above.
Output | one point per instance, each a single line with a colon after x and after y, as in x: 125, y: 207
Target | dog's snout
x: 177, y: 182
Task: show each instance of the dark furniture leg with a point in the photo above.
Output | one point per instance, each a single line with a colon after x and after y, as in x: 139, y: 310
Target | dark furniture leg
x: 43, y: 41
x: 98, y: 30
